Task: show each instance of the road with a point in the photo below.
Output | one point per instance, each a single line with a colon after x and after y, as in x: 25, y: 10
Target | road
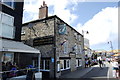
x: 98, y: 73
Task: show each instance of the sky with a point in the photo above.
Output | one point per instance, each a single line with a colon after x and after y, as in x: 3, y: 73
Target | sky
x: 98, y: 17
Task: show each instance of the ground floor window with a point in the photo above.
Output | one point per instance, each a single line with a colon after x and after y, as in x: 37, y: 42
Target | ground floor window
x: 35, y: 63
x: 64, y: 64
x: 45, y: 64
x: 8, y: 57
x: 78, y: 62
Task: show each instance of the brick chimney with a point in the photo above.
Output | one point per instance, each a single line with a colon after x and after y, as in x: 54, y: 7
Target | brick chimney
x: 43, y: 11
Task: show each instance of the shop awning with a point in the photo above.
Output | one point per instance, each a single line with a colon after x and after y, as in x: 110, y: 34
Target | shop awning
x: 14, y: 46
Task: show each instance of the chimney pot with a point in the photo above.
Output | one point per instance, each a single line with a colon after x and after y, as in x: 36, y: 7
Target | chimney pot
x: 43, y: 11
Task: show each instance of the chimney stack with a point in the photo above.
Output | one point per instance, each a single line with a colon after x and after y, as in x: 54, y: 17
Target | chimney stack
x: 43, y: 11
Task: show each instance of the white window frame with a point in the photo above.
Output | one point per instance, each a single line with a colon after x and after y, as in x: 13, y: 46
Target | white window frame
x: 3, y: 56
x: 65, y: 45
x: 76, y: 48
x: 12, y: 6
x: 7, y: 24
x: 62, y: 63
x: 79, y: 37
x: 75, y: 34
x: 44, y: 66
x: 78, y: 61
x: 80, y: 49
x: 67, y: 67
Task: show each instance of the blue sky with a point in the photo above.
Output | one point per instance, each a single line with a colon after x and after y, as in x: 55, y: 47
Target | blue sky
x: 99, y: 18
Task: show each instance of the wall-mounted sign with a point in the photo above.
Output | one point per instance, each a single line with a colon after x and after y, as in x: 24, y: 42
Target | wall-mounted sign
x: 52, y: 59
x: 43, y: 41
x: 62, y: 29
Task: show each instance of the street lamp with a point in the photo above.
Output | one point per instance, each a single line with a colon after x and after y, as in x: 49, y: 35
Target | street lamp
x: 110, y: 42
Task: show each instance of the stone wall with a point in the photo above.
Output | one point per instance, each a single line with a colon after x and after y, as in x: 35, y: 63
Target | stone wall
x: 38, y: 29
x: 70, y: 38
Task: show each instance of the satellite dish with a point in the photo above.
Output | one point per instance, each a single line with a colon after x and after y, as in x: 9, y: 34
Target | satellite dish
x: 30, y: 25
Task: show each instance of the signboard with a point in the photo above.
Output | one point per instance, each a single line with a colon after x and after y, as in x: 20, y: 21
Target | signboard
x: 62, y: 29
x: 43, y: 41
x: 52, y: 59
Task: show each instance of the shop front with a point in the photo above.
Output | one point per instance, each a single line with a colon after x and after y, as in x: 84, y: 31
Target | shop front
x: 17, y: 57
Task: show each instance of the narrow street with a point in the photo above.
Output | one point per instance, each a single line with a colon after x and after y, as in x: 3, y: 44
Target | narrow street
x: 104, y: 73
x: 97, y: 72
x: 93, y: 73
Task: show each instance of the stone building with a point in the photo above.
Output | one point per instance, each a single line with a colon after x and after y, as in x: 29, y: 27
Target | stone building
x: 61, y: 46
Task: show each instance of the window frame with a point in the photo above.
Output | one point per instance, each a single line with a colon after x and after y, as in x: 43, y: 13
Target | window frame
x: 67, y: 67
x: 78, y: 62
x: 7, y: 24
x: 65, y: 47
x: 44, y: 65
x: 12, y: 2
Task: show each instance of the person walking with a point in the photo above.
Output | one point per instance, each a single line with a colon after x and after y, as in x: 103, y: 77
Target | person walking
x: 89, y: 63
x: 86, y: 63
x: 115, y: 68
x: 100, y: 63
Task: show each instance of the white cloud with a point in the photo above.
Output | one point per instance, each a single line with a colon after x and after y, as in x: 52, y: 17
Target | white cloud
x: 60, y: 8
x: 102, y: 27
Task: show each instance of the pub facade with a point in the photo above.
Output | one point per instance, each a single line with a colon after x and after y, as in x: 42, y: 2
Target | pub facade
x: 61, y: 46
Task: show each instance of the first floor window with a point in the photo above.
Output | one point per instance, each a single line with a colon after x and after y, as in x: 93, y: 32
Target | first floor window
x: 65, y: 45
x: 7, y: 26
x: 10, y: 3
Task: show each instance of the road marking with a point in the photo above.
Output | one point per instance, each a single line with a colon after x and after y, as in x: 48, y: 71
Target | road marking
x: 108, y: 71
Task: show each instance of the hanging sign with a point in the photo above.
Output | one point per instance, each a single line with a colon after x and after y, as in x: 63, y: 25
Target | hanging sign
x: 62, y: 29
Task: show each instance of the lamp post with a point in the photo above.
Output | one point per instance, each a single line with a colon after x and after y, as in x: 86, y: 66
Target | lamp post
x: 110, y: 42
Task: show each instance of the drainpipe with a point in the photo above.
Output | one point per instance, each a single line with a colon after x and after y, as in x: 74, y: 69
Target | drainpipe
x: 39, y: 57
x: 54, y: 49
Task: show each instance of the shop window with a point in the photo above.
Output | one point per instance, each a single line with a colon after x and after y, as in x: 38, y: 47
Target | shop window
x: 7, y: 26
x: 35, y: 63
x: 8, y: 57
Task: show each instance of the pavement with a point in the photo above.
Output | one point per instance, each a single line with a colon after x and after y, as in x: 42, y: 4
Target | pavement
x: 78, y: 73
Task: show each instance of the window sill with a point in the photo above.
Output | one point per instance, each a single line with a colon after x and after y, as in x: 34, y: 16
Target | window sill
x: 65, y: 69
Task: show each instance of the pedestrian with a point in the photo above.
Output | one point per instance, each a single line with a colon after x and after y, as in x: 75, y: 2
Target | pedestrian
x: 100, y: 63
x: 86, y: 63
x: 89, y: 63
x: 115, y: 68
